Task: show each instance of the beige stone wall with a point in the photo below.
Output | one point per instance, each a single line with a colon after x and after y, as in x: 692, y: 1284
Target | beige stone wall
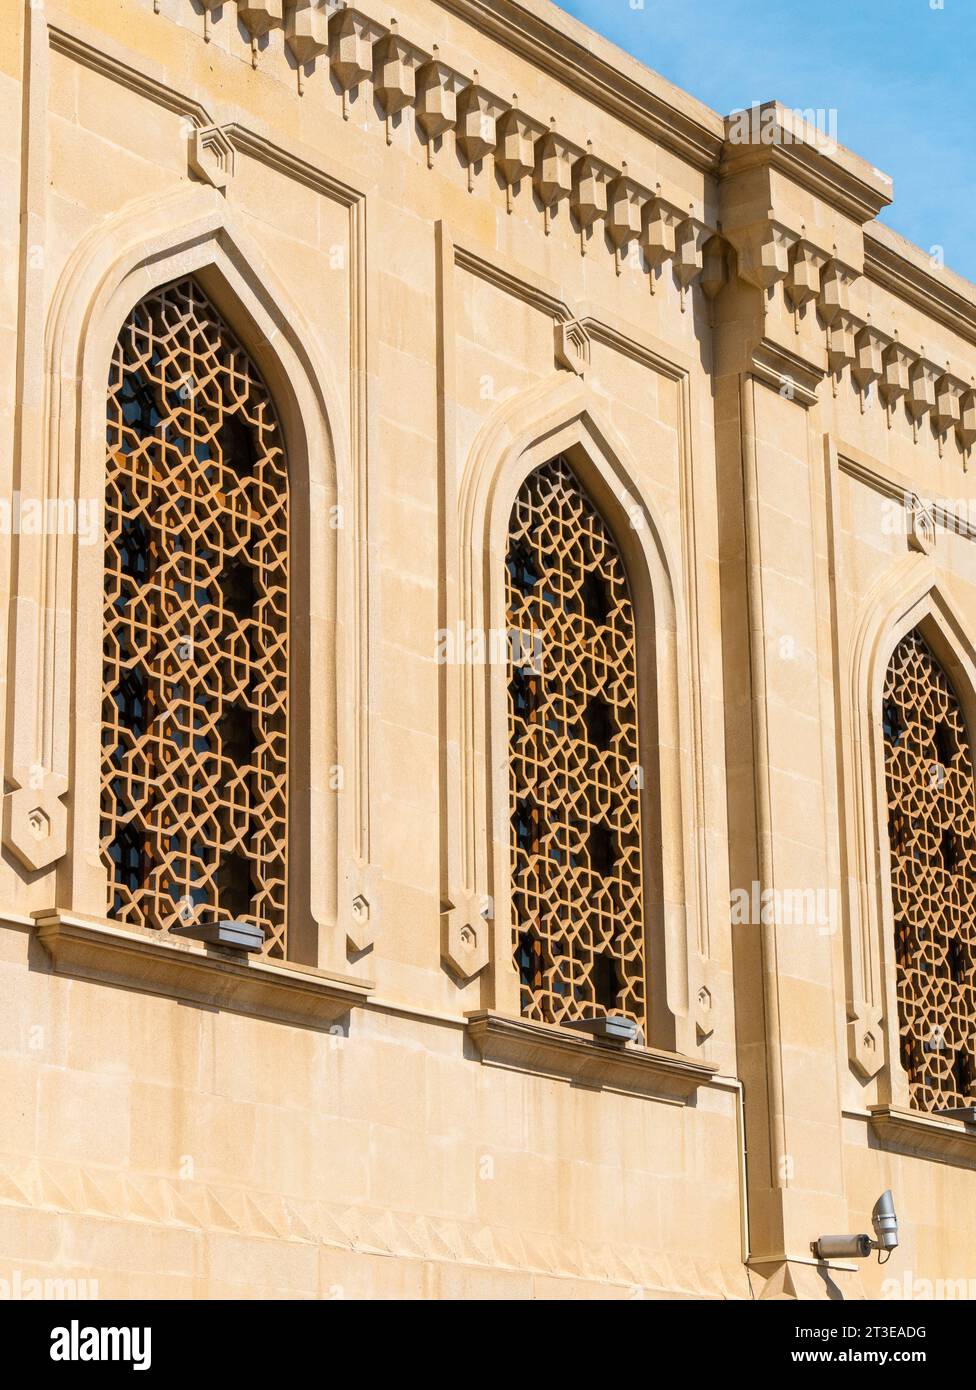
x: 177, y: 1125
x: 175, y: 1151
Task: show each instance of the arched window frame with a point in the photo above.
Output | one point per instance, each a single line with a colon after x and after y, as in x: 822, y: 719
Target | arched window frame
x: 547, y: 499
x: 925, y: 1017
x: 564, y: 419
x: 173, y: 562
x: 190, y: 233
x: 914, y: 596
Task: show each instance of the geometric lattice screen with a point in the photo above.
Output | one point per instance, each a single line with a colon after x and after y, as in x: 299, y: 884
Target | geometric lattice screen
x: 195, y: 686
x: 932, y: 832
x: 577, y: 881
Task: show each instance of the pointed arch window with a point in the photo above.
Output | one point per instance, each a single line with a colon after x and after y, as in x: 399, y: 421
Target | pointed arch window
x: 932, y: 834
x: 575, y: 781
x: 195, y: 630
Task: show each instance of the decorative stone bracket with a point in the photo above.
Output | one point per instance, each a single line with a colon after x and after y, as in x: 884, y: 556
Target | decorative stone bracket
x: 259, y: 17
x: 351, y: 38
x: 921, y: 526
x: 478, y: 113
x: 211, y: 156
x: 306, y: 34
x: 764, y: 253
x: 362, y: 907
x: 35, y: 819
x: 868, y: 366
x: 803, y: 279
x: 896, y: 361
x: 590, y: 196
x: 437, y: 93
x: 692, y: 236
x: 865, y: 1039
x: 572, y: 346
x: 466, y: 931
x: 626, y: 201
x: 556, y: 158
x: 395, y: 75
x: 659, y: 235
x: 515, y: 156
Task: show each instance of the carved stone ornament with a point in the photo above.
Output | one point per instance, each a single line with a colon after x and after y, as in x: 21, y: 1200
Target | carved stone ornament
x: 351, y: 38
x: 395, y: 77
x: 764, y: 253
x: 466, y: 931
x: 477, y: 124
x: 437, y: 93
x: 625, y: 210
x: 556, y: 158
x: 591, y: 177
x: 515, y: 153
x: 894, y: 377
x: 211, y: 156
x: 921, y: 527
x: 835, y: 286
x: 865, y: 1038
x: 35, y: 819
x: 921, y: 389
x: 690, y: 240
x: 803, y: 280
x: 572, y: 343
x: 307, y: 30
x: 715, y: 266
x: 948, y: 395
x: 966, y: 427
x: 259, y: 17
x: 869, y: 357
x: 362, y: 916
x: 659, y: 236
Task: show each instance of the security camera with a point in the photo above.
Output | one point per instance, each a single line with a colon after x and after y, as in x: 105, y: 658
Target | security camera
x: 885, y: 1224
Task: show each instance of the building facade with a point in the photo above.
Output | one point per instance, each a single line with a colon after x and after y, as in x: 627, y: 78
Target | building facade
x: 502, y: 530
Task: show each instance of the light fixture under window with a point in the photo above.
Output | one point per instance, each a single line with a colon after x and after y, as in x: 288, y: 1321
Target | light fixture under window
x: 616, y: 1028
x: 965, y: 1113
x: 233, y: 936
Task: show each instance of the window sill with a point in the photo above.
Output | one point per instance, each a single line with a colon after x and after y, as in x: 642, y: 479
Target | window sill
x: 545, y: 1049
x: 96, y: 949
x: 926, y: 1136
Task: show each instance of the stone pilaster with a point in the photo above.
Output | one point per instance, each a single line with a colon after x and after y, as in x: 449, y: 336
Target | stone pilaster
x: 781, y: 326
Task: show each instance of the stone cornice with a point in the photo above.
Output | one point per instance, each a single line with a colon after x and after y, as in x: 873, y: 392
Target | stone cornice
x: 800, y: 152
x: 905, y: 271
x: 796, y: 259
x: 610, y: 78
x: 810, y: 286
x: 602, y: 73
x: 100, y: 59
x: 786, y: 372
x: 548, y: 1050
x: 97, y: 949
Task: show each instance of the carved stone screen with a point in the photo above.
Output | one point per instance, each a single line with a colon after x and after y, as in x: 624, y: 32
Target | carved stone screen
x: 194, y: 723
x: 932, y: 831
x: 577, y: 888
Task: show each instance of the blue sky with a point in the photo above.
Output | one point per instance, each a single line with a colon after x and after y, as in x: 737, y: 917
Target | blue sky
x: 899, y: 73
